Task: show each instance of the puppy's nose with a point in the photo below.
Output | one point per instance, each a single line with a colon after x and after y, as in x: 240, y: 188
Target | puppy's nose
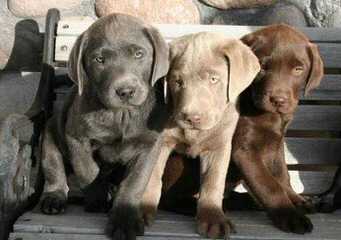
x: 125, y: 93
x: 278, y: 100
x: 192, y: 118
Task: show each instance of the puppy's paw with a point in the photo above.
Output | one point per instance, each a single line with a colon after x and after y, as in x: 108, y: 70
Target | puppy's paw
x: 149, y: 212
x: 125, y: 223
x: 213, y: 223
x: 306, y: 205
x: 53, y: 203
x: 98, y: 198
x: 291, y: 220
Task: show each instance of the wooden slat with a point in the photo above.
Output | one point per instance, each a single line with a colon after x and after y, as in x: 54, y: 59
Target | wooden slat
x: 312, y: 151
x: 249, y: 225
x: 176, y: 30
x: 74, y: 26
x: 306, y: 182
x: 329, y: 89
x: 318, y: 117
x: 330, y: 52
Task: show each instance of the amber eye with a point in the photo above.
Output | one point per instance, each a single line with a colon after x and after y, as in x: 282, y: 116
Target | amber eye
x: 179, y: 83
x: 139, y: 54
x: 214, y: 79
x: 298, y: 70
x: 99, y: 59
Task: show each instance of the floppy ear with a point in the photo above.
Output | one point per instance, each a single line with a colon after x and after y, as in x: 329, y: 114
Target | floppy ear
x: 255, y: 42
x: 161, y: 53
x: 243, y: 67
x: 75, y: 63
x: 316, y: 69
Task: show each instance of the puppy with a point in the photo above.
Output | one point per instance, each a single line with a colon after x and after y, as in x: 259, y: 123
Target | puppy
x: 207, y: 73
x: 115, y: 64
x: 290, y: 62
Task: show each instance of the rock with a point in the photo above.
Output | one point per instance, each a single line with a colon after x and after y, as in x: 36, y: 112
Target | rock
x: 153, y: 11
x: 227, y: 4
x: 35, y: 8
x: 3, y: 59
x: 278, y: 13
x: 319, y: 13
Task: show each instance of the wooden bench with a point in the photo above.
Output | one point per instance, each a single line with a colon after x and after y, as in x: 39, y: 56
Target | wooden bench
x: 313, y: 147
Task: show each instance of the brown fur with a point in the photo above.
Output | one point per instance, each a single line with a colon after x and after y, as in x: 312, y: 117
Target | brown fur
x: 207, y: 74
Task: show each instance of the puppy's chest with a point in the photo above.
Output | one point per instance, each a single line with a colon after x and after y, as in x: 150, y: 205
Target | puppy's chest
x: 108, y: 126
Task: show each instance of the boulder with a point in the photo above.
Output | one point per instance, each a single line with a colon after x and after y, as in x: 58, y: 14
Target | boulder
x: 153, y: 11
x: 37, y: 8
x: 227, y: 4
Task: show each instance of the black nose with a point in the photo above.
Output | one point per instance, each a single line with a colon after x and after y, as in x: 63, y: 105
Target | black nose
x: 192, y: 118
x: 125, y: 93
x: 279, y: 100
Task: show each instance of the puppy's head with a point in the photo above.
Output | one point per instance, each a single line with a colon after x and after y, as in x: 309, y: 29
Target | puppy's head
x: 118, y: 60
x: 207, y: 72
x: 289, y: 64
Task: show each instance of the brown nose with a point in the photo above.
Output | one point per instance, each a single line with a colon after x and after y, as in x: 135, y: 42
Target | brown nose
x: 191, y: 118
x: 278, y: 100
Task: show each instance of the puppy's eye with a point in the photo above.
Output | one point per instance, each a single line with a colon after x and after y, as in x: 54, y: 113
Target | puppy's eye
x: 214, y: 79
x: 139, y: 54
x: 99, y: 59
x: 298, y: 70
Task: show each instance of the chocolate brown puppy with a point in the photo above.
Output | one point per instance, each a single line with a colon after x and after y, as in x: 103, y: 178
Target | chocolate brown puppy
x: 115, y: 105
x: 207, y: 73
x: 290, y: 62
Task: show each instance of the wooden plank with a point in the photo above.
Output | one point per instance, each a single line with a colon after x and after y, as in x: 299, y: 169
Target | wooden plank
x: 329, y: 89
x: 318, y: 117
x: 312, y: 151
x: 74, y: 26
x: 306, y: 182
x: 249, y: 225
x: 330, y: 52
x: 175, y: 30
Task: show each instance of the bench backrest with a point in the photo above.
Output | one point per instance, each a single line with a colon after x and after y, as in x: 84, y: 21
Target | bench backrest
x: 313, y: 143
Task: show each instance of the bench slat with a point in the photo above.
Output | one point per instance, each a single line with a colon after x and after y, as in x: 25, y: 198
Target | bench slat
x: 249, y: 225
x: 331, y: 52
x: 76, y: 27
x: 312, y: 151
x: 317, y: 117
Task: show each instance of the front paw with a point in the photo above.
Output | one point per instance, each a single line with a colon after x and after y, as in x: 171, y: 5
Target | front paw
x: 291, y: 220
x: 213, y: 223
x: 125, y: 222
x: 53, y: 203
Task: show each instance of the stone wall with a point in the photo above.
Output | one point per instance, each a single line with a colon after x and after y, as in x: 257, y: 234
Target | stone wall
x: 21, y: 21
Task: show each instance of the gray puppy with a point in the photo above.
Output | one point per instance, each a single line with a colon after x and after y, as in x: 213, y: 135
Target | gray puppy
x: 115, y: 64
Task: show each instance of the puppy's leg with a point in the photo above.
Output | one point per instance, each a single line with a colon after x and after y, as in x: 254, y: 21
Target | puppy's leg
x: 126, y: 220
x: 280, y: 171
x: 270, y: 193
x: 152, y: 193
x: 83, y: 164
x: 56, y: 189
x: 212, y: 221
x: 86, y: 170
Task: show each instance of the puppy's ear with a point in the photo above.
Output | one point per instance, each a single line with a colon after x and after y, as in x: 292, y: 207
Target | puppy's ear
x: 316, y: 69
x: 161, y: 55
x: 75, y: 64
x: 243, y: 67
x: 255, y: 42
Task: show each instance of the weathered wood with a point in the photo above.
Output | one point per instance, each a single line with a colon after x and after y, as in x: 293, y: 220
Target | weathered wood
x: 312, y: 151
x: 330, y: 52
x: 249, y: 225
x: 317, y: 117
x: 76, y: 27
